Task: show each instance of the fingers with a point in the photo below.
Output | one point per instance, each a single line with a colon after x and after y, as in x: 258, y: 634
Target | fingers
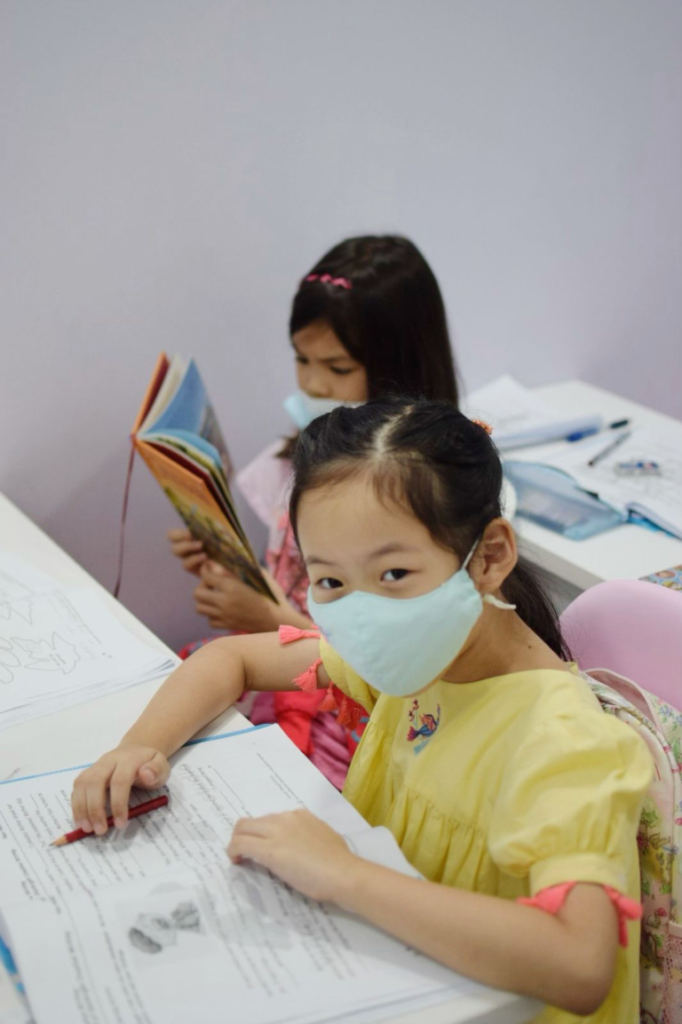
x: 263, y: 826
x: 95, y: 791
x: 116, y: 772
x: 221, y: 579
x: 134, y: 770
x: 259, y: 839
x: 154, y: 773
x: 249, y: 848
x: 217, y: 569
x: 194, y: 562
x: 181, y: 548
x: 180, y: 533
x: 119, y: 791
x: 87, y: 801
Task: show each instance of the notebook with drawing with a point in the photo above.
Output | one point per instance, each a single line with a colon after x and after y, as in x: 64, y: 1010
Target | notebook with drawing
x: 176, y: 432
x: 155, y: 924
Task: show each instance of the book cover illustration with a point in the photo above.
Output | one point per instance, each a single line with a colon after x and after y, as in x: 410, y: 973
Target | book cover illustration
x: 177, y: 434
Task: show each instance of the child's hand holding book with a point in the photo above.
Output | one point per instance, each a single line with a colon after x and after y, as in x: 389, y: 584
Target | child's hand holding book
x: 190, y: 551
x: 230, y: 604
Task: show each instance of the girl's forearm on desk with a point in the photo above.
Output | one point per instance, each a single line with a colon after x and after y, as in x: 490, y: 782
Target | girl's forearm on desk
x: 212, y: 680
x: 194, y: 694
x: 566, y: 960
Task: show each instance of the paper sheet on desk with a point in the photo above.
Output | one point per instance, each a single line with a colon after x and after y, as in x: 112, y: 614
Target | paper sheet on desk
x: 60, y: 646
x: 157, y: 924
x: 519, y: 417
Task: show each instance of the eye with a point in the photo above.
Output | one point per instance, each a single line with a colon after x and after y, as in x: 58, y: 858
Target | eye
x: 341, y: 371
x: 393, y: 575
x: 302, y: 360
x: 329, y: 583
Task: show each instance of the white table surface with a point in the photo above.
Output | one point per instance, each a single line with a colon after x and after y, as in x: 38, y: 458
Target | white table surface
x: 626, y: 552
x: 80, y: 734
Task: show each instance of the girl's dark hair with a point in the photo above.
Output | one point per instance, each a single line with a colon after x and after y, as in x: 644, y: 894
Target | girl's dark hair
x: 391, y: 318
x: 442, y: 464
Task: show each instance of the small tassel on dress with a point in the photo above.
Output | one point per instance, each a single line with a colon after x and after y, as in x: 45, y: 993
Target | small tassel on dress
x: 289, y: 634
x: 307, y: 681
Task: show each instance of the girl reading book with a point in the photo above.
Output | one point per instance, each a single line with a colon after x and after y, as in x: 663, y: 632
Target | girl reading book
x: 486, y: 754
x: 367, y: 319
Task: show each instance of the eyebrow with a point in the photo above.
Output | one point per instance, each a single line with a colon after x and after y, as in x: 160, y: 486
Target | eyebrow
x: 392, y: 549
x: 330, y: 359
x: 387, y: 549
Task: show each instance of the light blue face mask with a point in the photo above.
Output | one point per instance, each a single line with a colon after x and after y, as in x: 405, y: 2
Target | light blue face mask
x: 400, y: 646
x: 303, y: 408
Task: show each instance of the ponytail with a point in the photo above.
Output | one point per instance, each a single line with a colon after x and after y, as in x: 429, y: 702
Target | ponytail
x: 524, y: 588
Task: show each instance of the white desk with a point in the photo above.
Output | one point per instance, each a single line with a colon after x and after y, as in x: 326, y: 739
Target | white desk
x: 628, y: 551
x: 80, y: 734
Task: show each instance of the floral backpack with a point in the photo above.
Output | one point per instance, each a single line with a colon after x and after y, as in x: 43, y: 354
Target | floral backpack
x: 659, y: 840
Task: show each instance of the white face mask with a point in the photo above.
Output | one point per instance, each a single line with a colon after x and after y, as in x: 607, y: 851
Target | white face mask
x: 303, y: 408
x: 399, y: 646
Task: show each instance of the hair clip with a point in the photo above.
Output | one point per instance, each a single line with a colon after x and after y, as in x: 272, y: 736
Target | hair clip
x: 486, y: 426
x: 338, y: 282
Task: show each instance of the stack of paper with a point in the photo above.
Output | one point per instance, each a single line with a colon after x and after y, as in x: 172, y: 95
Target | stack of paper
x: 61, y: 646
x: 520, y: 418
x: 154, y: 924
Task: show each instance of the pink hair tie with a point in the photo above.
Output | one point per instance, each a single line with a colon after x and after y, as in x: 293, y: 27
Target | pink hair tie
x: 338, y: 282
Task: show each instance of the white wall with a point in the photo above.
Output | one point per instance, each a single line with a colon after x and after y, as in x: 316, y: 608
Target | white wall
x: 172, y: 167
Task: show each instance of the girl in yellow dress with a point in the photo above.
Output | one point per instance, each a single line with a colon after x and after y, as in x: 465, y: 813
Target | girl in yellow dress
x: 486, y: 754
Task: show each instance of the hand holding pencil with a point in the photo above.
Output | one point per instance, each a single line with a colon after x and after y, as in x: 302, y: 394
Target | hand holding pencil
x: 116, y: 772
x: 133, y: 812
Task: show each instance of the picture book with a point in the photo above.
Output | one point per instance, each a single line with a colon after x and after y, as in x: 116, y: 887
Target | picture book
x: 177, y: 434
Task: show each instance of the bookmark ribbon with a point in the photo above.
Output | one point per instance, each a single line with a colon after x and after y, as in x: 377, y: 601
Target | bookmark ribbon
x: 124, y: 513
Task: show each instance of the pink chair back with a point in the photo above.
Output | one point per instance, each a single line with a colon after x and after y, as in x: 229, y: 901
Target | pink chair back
x: 631, y: 627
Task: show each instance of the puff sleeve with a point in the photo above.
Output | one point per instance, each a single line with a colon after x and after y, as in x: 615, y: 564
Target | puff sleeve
x: 346, y: 680
x: 569, y: 804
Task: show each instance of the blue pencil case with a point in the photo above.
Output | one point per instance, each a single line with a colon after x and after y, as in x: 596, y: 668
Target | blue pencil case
x: 551, y: 498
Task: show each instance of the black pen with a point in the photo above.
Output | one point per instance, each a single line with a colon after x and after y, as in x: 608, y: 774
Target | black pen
x: 609, y: 448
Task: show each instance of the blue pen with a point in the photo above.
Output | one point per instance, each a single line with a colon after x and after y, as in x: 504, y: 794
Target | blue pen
x: 580, y: 434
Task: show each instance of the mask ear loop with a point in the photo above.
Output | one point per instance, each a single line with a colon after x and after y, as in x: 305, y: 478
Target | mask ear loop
x: 487, y: 598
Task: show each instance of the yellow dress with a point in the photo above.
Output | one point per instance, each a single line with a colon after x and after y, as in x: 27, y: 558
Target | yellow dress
x: 507, y: 786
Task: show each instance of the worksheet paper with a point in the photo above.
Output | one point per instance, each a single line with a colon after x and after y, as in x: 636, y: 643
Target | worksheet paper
x: 60, y: 645
x: 519, y: 417
x: 154, y: 925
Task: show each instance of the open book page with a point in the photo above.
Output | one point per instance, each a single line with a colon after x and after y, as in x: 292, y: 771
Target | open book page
x: 190, y: 409
x: 156, y: 925
x: 658, y: 497
x: 175, y: 371
x: 60, y: 646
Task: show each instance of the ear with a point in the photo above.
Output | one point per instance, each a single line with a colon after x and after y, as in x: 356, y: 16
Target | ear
x: 495, y: 556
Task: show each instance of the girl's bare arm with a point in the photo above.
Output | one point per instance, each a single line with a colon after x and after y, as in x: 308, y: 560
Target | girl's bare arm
x: 200, y: 689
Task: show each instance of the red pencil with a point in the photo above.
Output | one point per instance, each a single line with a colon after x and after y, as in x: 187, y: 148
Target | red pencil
x: 133, y: 812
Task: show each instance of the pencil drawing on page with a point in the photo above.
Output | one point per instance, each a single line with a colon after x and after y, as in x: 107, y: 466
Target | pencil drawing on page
x: 154, y: 932
x: 45, y: 655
